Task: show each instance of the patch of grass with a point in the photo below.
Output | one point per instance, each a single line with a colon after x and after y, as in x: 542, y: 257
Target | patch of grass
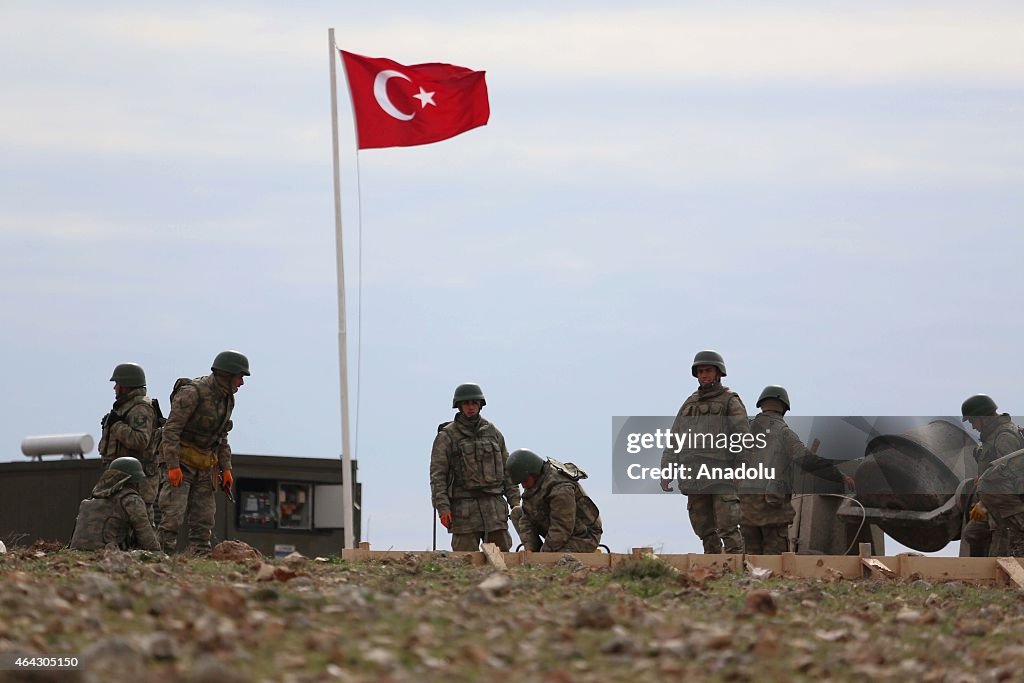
x: 643, y: 568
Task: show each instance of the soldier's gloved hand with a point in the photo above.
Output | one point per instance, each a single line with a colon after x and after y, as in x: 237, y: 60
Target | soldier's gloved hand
x: 112, y: 418
x: 979, y: 513
x: 446, y: 520
x: 175, y: 476
x: 666, y: 484
x: 849, y: 482
x: 226, y: 480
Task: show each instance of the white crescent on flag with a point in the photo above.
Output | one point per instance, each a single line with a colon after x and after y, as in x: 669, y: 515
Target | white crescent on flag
x: 380, y: 92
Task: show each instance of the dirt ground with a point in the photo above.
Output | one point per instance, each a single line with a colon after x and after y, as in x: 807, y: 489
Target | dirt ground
x: 145, y: 617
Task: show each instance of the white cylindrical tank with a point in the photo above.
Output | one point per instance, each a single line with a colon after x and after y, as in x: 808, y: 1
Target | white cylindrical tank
x: 56, y: 444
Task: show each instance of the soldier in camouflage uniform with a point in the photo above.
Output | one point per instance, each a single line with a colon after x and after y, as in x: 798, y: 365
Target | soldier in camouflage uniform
x: 116, y: 513
x: 999, y: 437
x: 468, y: 483
x: 766, y: 506
x: 128, y: 429
x: 195, y: 446
x: 1001, y: 489
x: 713, y: 505
x: 557, y: 515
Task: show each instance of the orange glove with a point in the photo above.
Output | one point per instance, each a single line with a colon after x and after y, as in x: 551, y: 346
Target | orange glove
x: 979, y: 513
x: 226, y: 480
x: 174, y: 475
x: 446, y: 520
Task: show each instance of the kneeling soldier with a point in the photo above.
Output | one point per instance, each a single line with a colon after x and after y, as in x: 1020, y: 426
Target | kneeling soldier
x: 557, y: 515
x: 116, y: 513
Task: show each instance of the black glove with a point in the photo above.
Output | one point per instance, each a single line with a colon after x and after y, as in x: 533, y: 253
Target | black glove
x: 111, y: 419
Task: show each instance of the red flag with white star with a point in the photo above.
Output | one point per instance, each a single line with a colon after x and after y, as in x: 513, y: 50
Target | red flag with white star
x: 401, y: 106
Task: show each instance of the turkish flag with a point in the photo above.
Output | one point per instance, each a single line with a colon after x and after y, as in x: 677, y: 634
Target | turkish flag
x: 401, y: 106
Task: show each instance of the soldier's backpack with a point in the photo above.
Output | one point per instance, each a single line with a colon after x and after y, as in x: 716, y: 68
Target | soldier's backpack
x: 570, y: 470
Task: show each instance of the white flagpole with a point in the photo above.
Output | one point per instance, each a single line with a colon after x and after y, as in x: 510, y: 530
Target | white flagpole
x: 346, y: 455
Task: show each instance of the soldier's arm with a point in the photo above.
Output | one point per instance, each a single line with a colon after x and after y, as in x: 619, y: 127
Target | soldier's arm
x: 669, y: 455
x: 224, y: 449
x: 135, y: 508
x: 736, y: 413
x: 137, y: 428
x: 1006, y: 443
x: 562, y: 507
x: 182, y: 406
x: 511, y: 490
x: 440, y: 467
x: 524, y: 527
x: 807, y: 459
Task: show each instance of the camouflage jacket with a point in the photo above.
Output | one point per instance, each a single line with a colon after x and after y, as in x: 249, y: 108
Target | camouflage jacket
x: 200, y: 418
x: 132, y: 436
x: 999, y: 437
x: 769, y: 501
x: 115, y: 514
x: 468, y: 460
x: 558, y: 510
x: 711, y: 410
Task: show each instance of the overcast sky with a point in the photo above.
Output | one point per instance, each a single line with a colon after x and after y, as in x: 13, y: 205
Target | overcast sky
x: 829, y: 196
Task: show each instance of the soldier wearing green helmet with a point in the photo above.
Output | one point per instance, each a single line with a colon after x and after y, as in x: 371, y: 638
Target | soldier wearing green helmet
x: 129, y: 429
x: 713, y: 505
x: 469, y: 486
x: 766, y: 507
x: 999, y: 437
x: 195, y: 455
x: 116, y: 513
x: 557, y: 515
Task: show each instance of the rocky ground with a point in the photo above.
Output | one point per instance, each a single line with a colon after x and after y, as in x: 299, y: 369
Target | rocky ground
x: 144, y: 617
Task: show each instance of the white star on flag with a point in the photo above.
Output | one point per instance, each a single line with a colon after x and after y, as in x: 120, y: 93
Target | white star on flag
x: 425, y: 98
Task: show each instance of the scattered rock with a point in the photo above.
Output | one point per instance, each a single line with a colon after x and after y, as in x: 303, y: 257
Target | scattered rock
x: 571, y: 562
x: 970, y: 627
x: 226, y: 600
x: 160, y: 645
x: 908, y: 616
x: 209, y: 669
x: 495, y: 585
x: 235, y: 551
x: 760, y: 602
x: 115, y: 659
x: 593, y: 614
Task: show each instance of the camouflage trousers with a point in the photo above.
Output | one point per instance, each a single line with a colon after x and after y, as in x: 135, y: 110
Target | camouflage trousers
x: 978, y: 536
x: 148, y: 490
x: 471, y: 542
x: 715, y: 518
x: 769, y: 539
x: 194, y: 500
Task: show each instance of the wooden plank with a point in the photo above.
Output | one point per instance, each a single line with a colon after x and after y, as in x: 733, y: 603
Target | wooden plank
x: 1012, y: 569
x: 875, y: 567
x: 984, y: 570
x: 493, y: 556
x: 589, y: 560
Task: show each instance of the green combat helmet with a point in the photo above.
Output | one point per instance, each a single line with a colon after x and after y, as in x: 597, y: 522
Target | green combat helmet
x: 708, y: 358
x: 523, y: 462
x: 231, y: 362
x: 468, y: 392
x: 129, y: 466
x: 129, y: 375
x: 774, y: 391
x: 978, y: 405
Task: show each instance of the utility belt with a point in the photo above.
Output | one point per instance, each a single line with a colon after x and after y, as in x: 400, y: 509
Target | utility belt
x: 197, y: 458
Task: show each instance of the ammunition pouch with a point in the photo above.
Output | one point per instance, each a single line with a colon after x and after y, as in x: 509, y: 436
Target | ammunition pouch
x: 197, y: 458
